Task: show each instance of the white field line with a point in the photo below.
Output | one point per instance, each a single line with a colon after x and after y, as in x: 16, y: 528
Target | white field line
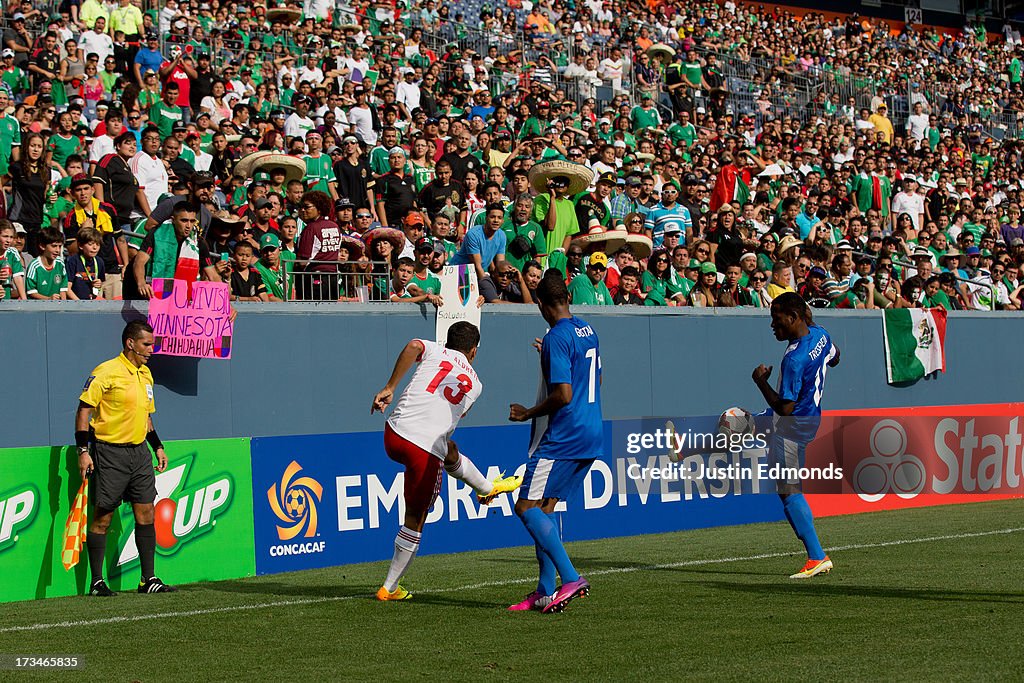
x: 489, y: 584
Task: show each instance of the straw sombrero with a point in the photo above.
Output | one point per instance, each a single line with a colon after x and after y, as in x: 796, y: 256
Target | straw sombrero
x: 351, y: 27
x: 642, y: 245
x: 294, y: 168
x: 355, y: 246
x: 396, y: 237
x: 579, y: 175
x: 787, y: 243
x: 660, y: 51
x: 609, y: 240
x: 288, y: 15
x: 226, y: 222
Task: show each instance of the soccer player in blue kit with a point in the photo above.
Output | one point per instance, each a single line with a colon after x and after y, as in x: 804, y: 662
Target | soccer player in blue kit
x: 566, y: 438
x: 797, y: 407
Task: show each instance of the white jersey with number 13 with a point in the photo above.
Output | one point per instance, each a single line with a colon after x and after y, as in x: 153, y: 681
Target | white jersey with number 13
x: 441, y: 391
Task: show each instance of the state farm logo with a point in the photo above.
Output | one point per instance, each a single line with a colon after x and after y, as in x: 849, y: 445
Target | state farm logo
x: 890, y: 469
x: 294, y: 502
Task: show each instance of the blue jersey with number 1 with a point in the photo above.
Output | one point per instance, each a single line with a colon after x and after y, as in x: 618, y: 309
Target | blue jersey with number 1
x: 570, y: 355
x: 802, y: 380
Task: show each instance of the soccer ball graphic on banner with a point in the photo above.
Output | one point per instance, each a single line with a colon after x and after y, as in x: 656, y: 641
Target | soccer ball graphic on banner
x: 295, y: 503
x: 736, y: 421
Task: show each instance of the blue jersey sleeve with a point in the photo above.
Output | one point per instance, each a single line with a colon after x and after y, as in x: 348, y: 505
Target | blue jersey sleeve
x: 556, y: 354
x: 791, y: 378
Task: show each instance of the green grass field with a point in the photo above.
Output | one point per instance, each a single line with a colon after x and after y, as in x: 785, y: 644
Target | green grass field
x: 926, y: 594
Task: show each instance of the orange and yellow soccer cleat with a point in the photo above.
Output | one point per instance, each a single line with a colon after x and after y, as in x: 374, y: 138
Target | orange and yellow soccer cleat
x: 813, y: 568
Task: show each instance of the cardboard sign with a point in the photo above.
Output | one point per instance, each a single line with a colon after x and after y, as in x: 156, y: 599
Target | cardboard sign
x: 197, y: 326
x: 459, y: 290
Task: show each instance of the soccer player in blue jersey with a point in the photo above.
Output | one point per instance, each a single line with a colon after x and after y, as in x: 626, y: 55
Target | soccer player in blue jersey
x: 797, y: 407
x: 566, y: 438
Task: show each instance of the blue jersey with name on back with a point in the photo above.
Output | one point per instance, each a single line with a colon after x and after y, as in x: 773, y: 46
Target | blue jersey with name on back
x: 802, y: 380
x: 570, y: 355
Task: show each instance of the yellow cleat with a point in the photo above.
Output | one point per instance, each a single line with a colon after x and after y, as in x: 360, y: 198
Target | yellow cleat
x: 383, y: 594
x: 813, y: 568
x: 502, y: 485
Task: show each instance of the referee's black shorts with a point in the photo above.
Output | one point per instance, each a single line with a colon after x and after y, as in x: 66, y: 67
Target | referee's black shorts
x: 122, y: 472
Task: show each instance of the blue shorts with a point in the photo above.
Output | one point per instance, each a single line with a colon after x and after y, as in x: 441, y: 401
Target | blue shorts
x: 549, y: 478
x: 787, y: 453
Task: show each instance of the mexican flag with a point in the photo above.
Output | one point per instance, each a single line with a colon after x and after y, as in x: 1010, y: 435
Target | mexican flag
x: 915, y: 340
x: 731, y: 184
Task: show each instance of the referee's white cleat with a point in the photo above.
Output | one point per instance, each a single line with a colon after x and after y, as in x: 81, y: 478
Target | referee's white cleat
x: 155, y: 585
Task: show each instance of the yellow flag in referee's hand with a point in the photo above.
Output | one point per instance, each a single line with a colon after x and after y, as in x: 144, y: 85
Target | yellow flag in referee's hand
x: 76, y: 527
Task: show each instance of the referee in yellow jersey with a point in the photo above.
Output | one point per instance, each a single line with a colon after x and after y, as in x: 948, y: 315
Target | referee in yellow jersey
x: 117, y: 402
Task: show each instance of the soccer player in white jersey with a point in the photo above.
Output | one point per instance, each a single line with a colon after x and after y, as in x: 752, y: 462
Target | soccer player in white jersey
x: 418, y: 435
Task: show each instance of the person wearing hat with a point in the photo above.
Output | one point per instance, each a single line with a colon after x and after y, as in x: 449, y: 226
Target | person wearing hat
x: 667, y: 212
x: 272, y: 270
x: 299, y: 123
x: 950, y: 262
x: 555, y: 212
x: 627, y: 201
x: 645, y: 115
x: 148, y: 58
x: 588, y: 288
x: 705, y: 291
x: 423, y: 280
x: 18, y: 39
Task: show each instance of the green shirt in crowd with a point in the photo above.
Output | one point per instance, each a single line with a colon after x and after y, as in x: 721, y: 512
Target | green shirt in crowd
x: 584, y: 292
x: 47, y: 282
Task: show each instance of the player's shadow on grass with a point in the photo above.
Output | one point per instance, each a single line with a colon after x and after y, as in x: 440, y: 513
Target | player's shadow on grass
x: 820, y: 588
x: 277, y: 588
x: 449, y: 600
x: 366, y: 592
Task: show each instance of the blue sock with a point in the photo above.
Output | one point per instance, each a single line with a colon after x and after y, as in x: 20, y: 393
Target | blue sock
x: 546, y: 582
x: 799, y: 514
x: 545, y: 534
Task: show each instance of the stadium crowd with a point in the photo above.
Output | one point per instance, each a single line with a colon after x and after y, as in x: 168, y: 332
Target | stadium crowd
x: 660, y: 153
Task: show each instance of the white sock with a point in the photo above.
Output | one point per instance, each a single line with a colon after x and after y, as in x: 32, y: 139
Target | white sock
x: 407, y: 542
x: 466, y: 471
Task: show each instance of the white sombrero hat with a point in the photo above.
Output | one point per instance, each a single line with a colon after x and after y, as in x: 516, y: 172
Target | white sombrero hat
x: 660, y: 51
x: 264, y: 160
x: 580, y: 177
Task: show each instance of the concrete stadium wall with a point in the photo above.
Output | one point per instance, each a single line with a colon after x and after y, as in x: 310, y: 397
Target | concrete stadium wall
x: 312, y: 368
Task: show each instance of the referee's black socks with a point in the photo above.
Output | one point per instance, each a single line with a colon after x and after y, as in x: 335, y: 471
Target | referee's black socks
x: 145, y: 539
x: 97, y: 545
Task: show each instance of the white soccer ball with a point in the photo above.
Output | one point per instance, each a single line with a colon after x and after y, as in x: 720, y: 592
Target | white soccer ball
x: 736, y: 421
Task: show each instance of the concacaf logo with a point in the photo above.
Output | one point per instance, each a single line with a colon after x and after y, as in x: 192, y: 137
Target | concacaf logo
x: 294, y: 501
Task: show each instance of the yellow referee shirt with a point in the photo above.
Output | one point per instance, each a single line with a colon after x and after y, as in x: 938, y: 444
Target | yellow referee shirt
x: 122, y: 398
x: 127, y: 19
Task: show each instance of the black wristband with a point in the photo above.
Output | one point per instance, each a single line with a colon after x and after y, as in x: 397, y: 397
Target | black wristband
x: 82, y: 438
x: 153, y: 440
